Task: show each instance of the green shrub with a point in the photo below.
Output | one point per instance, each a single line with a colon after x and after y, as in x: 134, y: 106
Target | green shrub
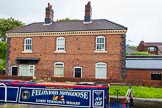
x: 3, y: 46
x: 141, y: 53
x: 2, y: 64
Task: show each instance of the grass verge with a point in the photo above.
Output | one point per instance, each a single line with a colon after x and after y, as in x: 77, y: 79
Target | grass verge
x: 138, y: 91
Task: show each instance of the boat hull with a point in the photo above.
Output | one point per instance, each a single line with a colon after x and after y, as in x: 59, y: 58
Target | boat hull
x: 86, y: 96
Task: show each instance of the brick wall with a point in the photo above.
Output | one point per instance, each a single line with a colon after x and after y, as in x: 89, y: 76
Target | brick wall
x: 6, y: 77
x: 142, y: 74
x: 148, y: 83
x: 79, y: 52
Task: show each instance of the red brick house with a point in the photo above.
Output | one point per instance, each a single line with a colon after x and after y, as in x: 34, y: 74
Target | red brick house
x: 150, y: 47
x: 74, y: 49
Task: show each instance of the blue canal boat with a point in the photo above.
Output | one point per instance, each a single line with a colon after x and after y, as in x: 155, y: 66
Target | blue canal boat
x: 82, y: 95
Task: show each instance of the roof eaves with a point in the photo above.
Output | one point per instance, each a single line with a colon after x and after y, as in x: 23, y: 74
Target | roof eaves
x: 11, y: 31
x: 143, y: 68
x: 116, y: 24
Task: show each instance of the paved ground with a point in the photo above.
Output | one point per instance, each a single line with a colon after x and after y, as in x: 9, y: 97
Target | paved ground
x: 141, y: 99
x: 141, y: 102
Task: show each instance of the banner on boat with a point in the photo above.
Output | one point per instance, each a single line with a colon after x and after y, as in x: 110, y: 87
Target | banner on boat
x: 62, y: 97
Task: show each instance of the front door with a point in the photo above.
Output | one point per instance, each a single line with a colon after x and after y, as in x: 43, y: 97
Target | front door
x: 77, y: 72
x: 14, y: 70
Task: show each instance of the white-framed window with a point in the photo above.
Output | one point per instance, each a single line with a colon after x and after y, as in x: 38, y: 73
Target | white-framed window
x: 151, y: 49
x: 58, y: 69
x: 100, y: 43
x: 77, y: 72
x: 101, y: 70
x: 28, y: 44
x: 26, y: 70
x: 60, y: 44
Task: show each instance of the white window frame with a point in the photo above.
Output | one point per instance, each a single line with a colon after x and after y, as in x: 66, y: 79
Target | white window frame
x: 98, y: 37
x: 58, y: 45
x: 151, y: 49
x: 62, y: 66
x: 33, y: 69
x: 25, y: 44
x: 96, y: 66
x: 29, y: 66
x: 74, y: 71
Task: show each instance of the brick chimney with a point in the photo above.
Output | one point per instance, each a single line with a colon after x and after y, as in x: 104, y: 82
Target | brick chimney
x: 88, y: 9
x: 49, y: 14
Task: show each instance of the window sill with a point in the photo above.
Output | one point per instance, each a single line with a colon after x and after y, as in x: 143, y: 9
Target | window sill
x: 59, y: 51
x: 100, y: 51
x: 27, y: 51
x: 59, y: 76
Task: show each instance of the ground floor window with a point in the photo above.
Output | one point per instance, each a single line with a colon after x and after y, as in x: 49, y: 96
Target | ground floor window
x: 77, y: 72
x: 100, y: 70
x: 26, y: 70
x: 59, y: 69
x: 156, y: 76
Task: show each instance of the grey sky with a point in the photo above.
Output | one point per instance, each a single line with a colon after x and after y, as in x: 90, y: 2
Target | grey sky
x: 142, y: 17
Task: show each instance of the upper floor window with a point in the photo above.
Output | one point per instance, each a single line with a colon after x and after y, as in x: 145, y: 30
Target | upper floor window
x: 100, y: 43
x: 28, y: 44
x: 60, y: 44
x: 151, y: 49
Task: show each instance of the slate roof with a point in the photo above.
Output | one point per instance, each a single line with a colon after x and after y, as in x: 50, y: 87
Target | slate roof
x: 152, y: 43
x: 69, y: 26
x: 144, y: 63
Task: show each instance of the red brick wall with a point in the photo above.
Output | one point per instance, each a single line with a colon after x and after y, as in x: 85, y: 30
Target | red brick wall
x: 6, y: 77
x: 149, y: 83
x: 135, y: 74
x: 79, y: 52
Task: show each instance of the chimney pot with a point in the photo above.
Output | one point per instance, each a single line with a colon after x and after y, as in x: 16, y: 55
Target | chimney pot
x: 49, y: 14
x: 88, y: 10
x: 48, y: 4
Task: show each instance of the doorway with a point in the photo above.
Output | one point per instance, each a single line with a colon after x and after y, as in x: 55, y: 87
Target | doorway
x: 14, y: 70
x: 77, y: 72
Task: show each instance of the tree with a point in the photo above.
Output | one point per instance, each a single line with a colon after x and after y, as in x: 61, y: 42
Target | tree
x: 2, y: 64
x: 66, y: 19
x: 8, y: 24
x: 133, y: 47
x: 2, y: 54
x: 3, y: 50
